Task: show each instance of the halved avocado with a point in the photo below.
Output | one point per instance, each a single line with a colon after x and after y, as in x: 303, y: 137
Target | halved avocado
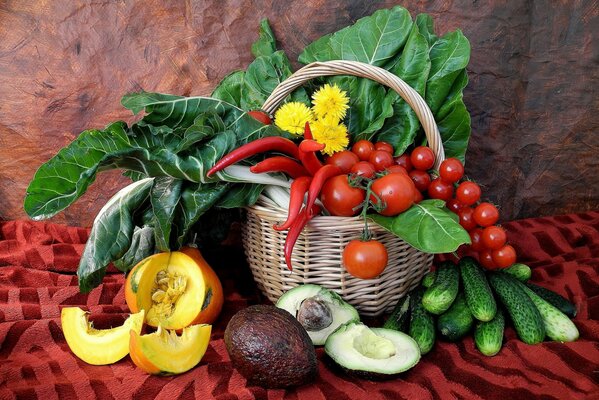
x: 372, y: 353
x: 319, y: 310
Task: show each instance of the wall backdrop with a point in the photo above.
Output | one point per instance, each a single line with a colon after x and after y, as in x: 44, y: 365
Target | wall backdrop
x: 532, y: 95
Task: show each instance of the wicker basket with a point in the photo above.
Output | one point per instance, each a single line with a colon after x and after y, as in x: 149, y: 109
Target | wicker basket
x: 317, y: 253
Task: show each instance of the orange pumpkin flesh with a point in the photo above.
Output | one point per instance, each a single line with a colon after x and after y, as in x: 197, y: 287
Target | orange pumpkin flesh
x: 176, y: 289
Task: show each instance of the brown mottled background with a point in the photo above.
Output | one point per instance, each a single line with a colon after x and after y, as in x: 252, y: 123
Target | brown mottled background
x: 533, y: 82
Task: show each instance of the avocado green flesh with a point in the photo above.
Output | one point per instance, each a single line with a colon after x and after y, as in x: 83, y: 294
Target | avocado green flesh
x: 341, y: 311
x: 356, y: 347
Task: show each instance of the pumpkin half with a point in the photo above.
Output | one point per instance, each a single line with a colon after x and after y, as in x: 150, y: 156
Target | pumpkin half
x: 175, y: 289
x: 165, y: 353
x: 97, y: 346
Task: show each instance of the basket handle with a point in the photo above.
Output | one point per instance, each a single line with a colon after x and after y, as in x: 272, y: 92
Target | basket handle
x: 363, y: 70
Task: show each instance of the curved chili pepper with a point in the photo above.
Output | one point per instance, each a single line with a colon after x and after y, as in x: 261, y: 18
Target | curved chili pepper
x: 308, y: 157
x: 280, y: 164
x: 308, y: 132
x: 326, y: 172
x: 270, y: 143
x: 296, y: 228
x: 299, y: 187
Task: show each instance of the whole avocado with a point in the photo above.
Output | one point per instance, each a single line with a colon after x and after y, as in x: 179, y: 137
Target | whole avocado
x: 270, y: 348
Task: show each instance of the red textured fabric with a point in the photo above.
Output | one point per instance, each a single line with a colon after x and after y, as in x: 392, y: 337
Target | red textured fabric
x: 37, y: 266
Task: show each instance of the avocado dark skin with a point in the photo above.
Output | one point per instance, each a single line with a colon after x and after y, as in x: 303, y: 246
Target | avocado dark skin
x: 270, y: 348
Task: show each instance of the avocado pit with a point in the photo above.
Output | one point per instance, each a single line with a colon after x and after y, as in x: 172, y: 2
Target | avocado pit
x: 314, y: 314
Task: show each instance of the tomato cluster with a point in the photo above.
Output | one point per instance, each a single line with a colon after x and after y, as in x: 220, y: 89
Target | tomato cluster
x: 396, y: 183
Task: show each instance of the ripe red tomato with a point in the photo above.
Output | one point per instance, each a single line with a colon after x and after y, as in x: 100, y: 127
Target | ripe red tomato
x: 486, y: 214
x: 396, y: 169
x: 396, y: 191
x: 454, y: 205
x: 466, y: 219
x: 345, y: 160
x: 260, y: 116
x: 493, y: 237
x: 404, y: 161
x: 486, y: 259
x: 384, y: 146
x: 439, y: 189
x: 341, y: 199
x: 422, y: 179
x: 363, y: 149
x: 422, y: 158
x: 418, y: 197
x: 504, y: 256
x: 363, y: 168
x: 468, y: 193
x: 380, y: 159
x: 365, y: 260
x: 475, y: 238
x: 451, y: 170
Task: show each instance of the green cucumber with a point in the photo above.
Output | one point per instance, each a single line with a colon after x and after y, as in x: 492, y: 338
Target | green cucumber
x: 438, y: 298
x: 554, y: 299
x: 422, y: 324
x: 400, y: 317
x: 523, y: 312
x: 456, y: 322
x: 558, y: 326
x: 429, y: 279
x: 519, y: 271
x: 476, y: 288
x: 488, y: 336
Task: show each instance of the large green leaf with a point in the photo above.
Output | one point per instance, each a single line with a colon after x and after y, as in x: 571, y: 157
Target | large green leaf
x: 229, y: 89
x: 164, y: 197
x: 427, y: 226
x: 142, y: 246
x: 266, y: 44
x: 426, y: 28
x: 453, y: 120
x: 240, y: 195
x: 111, y: 233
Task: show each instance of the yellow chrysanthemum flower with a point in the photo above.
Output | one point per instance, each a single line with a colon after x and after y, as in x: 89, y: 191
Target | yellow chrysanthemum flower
x: 330, y: 133
x: 330, y: 102
x: 292, y: 117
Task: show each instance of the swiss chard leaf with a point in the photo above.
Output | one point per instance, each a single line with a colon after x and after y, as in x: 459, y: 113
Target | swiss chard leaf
x: 229, y: 89
x: 266, y: 44
x: 427, y: 226
x: 111, y: 234
x: 241, y: 195
x: 164, y: 197
x: 453, y: 120
x: 142, y: 246
x: 426, y: 28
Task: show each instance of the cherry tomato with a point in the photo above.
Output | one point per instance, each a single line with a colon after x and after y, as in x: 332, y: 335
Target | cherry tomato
x: 340, y: 198
x: 486, y: 259
x: 422, y: 158
x: 422, y: 179
x: 363, y: 168
x: 504, y: 256
x: 439, y: 189
x: 451, y: 170
x: 363, y: 149
x: 345, y: 160
x: 380, y: 159
x: 404, y: 161
x: 466, y: 219
x: 384, y: 146
x: 260, y: 116
x: 486, y: 214
x: 475, y: 238
x: 454, y: 205
x: 468, y: 193
x: 418, y: 197
x: 396, y: 169
x: 493, y: 237
x: 365, y: 260
x: 396, y: 191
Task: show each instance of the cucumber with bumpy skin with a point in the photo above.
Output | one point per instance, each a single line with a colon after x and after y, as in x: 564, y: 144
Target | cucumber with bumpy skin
x: 429, y: 279
x: 476, y: 288
x: 438, y: 298
x: 488, y: 336
x: 400, y: 317
x: 523, y: 312
x: 456, y: 322
x: 554, y: 299
x: 519, y: 271
x: 422, y: 324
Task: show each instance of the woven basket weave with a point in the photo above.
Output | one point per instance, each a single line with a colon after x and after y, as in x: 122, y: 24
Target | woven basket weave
x: 317, y: 252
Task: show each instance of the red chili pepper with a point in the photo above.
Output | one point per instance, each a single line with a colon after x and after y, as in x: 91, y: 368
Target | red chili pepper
x: 296, y: 228
x: 270, y: 143
x: 280, y: 164
x: 308, y: 132
x: 308, y: 157
x: 326, y: 172
x: 299, y: 187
